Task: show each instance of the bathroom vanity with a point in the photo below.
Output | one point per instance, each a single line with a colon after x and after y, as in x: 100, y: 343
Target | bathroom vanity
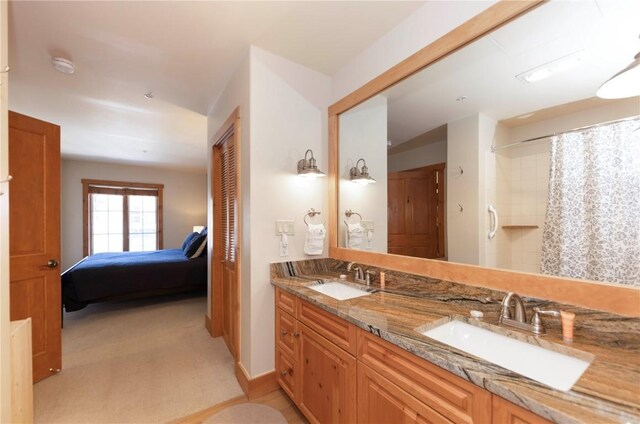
x: 364, y: 359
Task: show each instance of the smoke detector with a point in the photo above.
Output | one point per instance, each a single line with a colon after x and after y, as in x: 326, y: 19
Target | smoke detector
x: 63, y: 65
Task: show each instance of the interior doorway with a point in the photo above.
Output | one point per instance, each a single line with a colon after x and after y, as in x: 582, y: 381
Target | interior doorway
x: 416, y: 215
x: 225, y: 265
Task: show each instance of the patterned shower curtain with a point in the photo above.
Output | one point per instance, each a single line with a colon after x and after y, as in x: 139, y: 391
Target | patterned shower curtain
x: 592, y: 226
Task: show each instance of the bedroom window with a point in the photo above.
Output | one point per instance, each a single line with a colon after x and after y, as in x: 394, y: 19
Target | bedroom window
x: 121, y: 216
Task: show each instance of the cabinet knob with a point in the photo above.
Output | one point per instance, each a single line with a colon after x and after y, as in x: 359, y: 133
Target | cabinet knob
x: 284, y: 332
x: 283, y: 373
x: 54, y: 370
x: 296, y: 334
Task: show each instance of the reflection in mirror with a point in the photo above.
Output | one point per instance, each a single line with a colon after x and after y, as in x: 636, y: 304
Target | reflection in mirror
x: 509, y: 123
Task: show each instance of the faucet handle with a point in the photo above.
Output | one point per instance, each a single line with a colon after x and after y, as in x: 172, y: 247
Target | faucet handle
x: 551, y: 312
x: 536, y: 321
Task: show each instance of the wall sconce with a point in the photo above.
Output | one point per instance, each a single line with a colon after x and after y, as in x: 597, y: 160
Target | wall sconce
x: 625, y: 83
x: 361, y: 176
x: 307, y: 167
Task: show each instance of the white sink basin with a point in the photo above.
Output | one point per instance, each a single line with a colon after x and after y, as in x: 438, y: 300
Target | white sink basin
x: 554, y: 369
x: 339, y: 291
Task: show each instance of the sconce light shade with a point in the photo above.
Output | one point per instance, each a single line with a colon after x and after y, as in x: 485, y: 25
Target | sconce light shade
x: 198, y: 228
x: 361, y: 176
x: 625, y: 83
x: 308, y: 168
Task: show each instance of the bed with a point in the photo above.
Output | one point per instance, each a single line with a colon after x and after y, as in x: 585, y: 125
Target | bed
x: 127, y: 275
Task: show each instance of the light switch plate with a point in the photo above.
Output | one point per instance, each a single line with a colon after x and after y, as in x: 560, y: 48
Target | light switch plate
x: 369, y: 225
x: 285, y: 227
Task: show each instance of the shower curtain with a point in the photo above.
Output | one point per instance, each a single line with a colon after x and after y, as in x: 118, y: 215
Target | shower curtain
x: 592, y: 225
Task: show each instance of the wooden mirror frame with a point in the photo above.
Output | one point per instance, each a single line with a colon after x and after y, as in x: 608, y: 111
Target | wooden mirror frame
x: 602, y: 296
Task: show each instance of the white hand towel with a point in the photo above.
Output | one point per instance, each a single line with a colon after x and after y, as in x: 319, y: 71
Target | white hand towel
x: 355, y: 235
x: 314, y: 241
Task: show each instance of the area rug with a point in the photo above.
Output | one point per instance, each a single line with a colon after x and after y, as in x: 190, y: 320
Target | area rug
x: 246, y: 413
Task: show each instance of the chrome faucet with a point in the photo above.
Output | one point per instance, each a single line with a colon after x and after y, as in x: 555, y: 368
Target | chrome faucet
x: 515, y: 312
x: 516, y: 316
x: 359, y: 277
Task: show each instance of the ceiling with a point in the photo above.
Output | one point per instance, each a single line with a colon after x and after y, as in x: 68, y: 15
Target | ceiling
x: 182, y: 52
x: 485, y: 72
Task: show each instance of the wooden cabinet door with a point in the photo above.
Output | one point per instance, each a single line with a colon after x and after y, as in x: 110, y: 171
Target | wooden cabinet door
x: 505, y: 412
x: 34, y: 238
x: 327, y: 392
x: 381, y: 401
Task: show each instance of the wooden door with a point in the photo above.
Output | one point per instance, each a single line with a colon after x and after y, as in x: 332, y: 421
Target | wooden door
x: 34, y: 236
x: 226, y: 236
x: 327, y: 392
x: 416, y: 212
x: 381, y: 401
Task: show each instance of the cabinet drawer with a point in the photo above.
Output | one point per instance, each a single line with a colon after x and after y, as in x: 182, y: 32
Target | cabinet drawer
x: 336, y: 330
x: 287, y: 374
x: 381, y: 401
x: 286, y: 301
x: 507, y: 412
x: 287, y: 333
x: 451, y: 396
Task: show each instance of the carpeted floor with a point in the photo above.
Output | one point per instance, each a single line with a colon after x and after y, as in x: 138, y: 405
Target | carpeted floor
x: 137, y: 362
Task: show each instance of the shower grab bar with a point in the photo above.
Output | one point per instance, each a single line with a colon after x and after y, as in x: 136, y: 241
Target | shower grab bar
x: 494, y: 227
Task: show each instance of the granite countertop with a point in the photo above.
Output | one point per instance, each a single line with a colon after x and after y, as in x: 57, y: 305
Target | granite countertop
x: 608, y: 391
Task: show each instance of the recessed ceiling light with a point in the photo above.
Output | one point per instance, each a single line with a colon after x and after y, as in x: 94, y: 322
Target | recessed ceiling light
x: 148, y: 95
x: 461, y: 99
x: 559, y: 65
x: 63, y: 65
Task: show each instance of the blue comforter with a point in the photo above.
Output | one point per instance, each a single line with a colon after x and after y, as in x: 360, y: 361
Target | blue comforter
x: 106, y: 276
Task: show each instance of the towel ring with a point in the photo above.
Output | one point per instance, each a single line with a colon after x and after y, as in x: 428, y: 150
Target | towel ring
x: 312, y: 212
x: 349, y: 213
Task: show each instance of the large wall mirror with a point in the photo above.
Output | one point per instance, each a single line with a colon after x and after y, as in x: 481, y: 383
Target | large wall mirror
x: 456, y: 163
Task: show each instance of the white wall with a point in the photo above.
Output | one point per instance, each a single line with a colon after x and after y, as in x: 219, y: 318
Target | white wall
x: 429, y: 154
x: 235, y: 95
x: 363, y: 134
x: 288, y: 116
x: 424, y: 26
x: 283, y: 110
x: 5, y: 364
x: 184, y: 200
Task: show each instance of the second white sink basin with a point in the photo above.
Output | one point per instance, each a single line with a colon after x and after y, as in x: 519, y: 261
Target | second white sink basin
x: 339, y: 291
x: 552, y: 368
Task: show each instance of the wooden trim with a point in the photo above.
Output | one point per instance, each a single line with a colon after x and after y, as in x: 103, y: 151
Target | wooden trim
x: 334, y: 179
x: 21, y: 371
x: 258, y: 386
x: 86, y: 207
x: 232, y: 123
x: 123, y: 188
x: 207, y: 324
x: 601, y: 296
x: 120, y: 184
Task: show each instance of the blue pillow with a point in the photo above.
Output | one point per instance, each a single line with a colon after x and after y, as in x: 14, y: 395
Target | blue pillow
x: 204, y: 231
x: 188, y: 239
x: 196, y: 246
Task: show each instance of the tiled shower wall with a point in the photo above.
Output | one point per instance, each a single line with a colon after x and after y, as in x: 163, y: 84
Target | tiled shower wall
x: 521, y: 176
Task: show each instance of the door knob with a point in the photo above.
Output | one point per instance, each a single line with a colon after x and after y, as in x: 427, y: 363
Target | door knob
x: 52, y: 263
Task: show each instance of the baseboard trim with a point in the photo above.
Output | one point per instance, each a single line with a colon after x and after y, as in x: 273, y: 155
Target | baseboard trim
x: 207, y: 324
x: 258, y: 386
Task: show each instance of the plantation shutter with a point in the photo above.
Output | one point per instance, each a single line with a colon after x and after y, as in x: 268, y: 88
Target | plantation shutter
x: 228, y: 198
